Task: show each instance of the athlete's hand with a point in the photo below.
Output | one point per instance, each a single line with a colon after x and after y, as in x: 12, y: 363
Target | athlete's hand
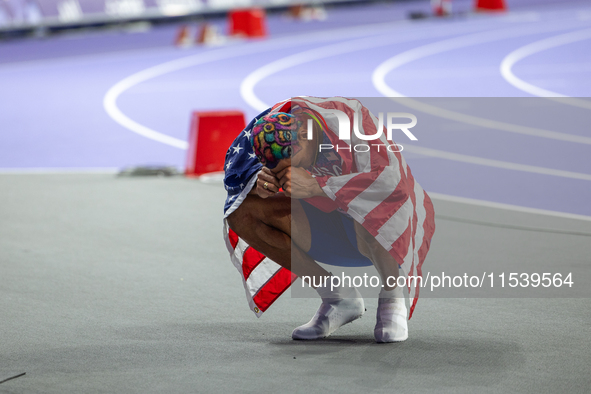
x: 266, y: 177
x: 298, y: 183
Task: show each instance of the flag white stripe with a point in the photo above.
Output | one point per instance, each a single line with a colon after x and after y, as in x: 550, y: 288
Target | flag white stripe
x: 335, y: 183
x: 395, y: 226
x: 408, y: 259
x: 376, y: 193
x: 238, y: 252
x: 421, y: 215
x: 236, y: 258
x: 353, y: 103
x: 404, y: 165
x: 260, y: 275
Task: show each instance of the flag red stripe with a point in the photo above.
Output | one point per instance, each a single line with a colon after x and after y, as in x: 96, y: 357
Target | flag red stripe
x: 250, y: 260
x: 415, y: 217
x: 413, y: 240
x: 273, y: 289
x: 354, y: 187
x: 378, y: 216
x: 387, y: 208
x: 429, y: 230
x: 233, y: 238
x: 357, y: 185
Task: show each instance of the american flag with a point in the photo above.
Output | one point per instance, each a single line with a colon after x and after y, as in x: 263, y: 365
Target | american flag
x: 376, y: 189
x: 263, y: 279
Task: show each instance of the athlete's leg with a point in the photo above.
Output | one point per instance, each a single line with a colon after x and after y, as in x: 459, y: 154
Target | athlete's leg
x: 277, y: 227
x: 391, y: 323
x: 380, y: 257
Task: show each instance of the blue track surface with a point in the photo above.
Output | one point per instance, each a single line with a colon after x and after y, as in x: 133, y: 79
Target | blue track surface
x: 54, y: 91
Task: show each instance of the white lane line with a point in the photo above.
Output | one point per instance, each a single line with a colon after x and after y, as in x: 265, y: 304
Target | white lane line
x: 509, y: 207
x: 110, y: 98
x: 496, y: 163
x: 535, y: 47
x: 248, y: 84
x: 247, y: 91
x: 379, y: 81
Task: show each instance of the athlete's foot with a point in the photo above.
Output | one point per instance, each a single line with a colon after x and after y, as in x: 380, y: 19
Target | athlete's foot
x: 332, y: 314
x: 391, y: 325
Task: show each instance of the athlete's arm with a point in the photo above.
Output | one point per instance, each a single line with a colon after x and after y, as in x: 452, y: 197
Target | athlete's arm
x: 298, y: 183
x: 265, y: 176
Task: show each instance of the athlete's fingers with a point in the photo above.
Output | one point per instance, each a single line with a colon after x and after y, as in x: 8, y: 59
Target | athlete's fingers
x: 269, y: 187
x: 284, y: 176
x: 262, y: 192
x: 283, y: 173
x: 287, y: 188
x: 265, y: 175
x: 268, y: 172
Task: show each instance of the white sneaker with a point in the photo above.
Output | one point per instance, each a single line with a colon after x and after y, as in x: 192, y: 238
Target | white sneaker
x: 391, y: 323
x: 332, y: 314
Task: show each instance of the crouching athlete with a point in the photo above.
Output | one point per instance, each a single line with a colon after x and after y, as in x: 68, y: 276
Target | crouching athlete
x: 298, y: 195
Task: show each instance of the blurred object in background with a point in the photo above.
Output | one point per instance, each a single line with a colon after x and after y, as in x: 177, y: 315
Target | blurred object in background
x: 179, y: 7
x: 210, y: 134
x: 441, y: 7
x: 205, y: 34
x: 248, y: 23
x: 25, y: 12
x: 209, y: 34
x: 5, y: 14
x: 69, y: 11
x: 490, y: 5
x: 149, y: 170
x: 22, y: 15
x: 183, y: 37
x: 125, y: 8
x: 307, y: 12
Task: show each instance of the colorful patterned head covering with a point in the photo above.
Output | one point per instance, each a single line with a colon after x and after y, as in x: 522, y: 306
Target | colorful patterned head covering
x: 272, y: 138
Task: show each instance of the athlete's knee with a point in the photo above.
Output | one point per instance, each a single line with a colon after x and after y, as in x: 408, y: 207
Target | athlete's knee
x: 240, y: 220
x: 256, y: 215
x: 366, y: 243
x: 249, y: 223
x: 273, y: 211
x: 364, y: 248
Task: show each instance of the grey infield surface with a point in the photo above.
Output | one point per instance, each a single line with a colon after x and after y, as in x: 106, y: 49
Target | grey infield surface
x: 124, y: 285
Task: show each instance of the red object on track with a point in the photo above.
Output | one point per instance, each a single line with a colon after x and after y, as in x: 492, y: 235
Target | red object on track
x: 248, y: 22
x: 207, y: 34
x: 210, y: 135
x: 491, y: 5
x: 441, y: 7
x: 183, y: 36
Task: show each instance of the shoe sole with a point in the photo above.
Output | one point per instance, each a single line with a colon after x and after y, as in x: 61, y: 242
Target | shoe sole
x: 394, y: 341
x: 329, y: 334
